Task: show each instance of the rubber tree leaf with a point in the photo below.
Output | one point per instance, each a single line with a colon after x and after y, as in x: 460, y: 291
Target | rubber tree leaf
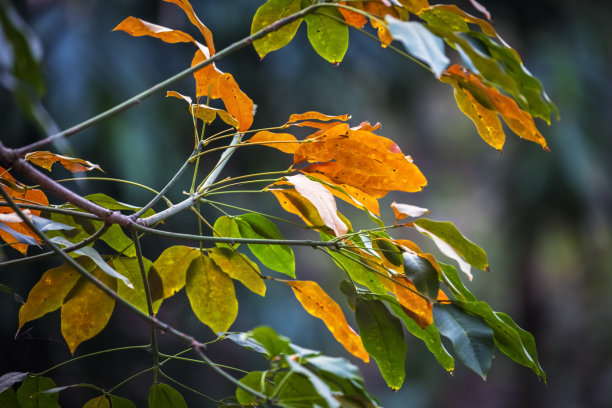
x: 327, y: 33
x: 49, y: 293
x: 422, y: 274
x: 285, y: 142
x: 164, y: 396
x: 420, y: 43
x: 98, y: 402
x: 273, y: 343
x: 294, y: 203
x: 383, y: 337
x: 510, y: 339
x: 30, y: 393
x: 87, y: 310
x: 8, y: 399
x: 130, y: 268
x: 453, y: 244
x: 320, y: 386
x: 277, y: 257
x: 257, y: 381
x: 7, y: 380
x: 46, y: 160
x: 211, y: 294
x: 471, y: 337
x: 227, y: 227
x: 268, y: 13
x: 171, y: 267
x: 118, y: 402
x: 239, y: 267
x: 351, y: 195
x: 320, y: 305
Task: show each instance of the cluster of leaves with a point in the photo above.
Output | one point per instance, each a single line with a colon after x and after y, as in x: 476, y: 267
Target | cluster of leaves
x: 391, y: 285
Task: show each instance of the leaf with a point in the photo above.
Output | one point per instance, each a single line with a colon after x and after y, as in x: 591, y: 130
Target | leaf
x: 8, y: 399
x: 415, y: 306
x: 328, y: 36
x: 204, y: 112
x: 472, y: 339
x: 285, y: 142
x: 295, y: 389
x: 98, y: 402
x: 277, y: 257
x: 118, y: 402
x: 510, y: 339
x: 24, y: 239
x: 481, y: 8
x: 313, y: 115
x: 320, y: 305
x: 350, y: 194
x: 87, y: 310
x: 172, y: 266
x: 294, y: 203
x: 422, y: 274
x: 420, y: 43
x: 351, y: 17
x: 47, y: 159
x: 272, y: 342
x: 211, y: 294
x: 7, y: 380
x: 454, y: 283
x: 239, y: 267
x: 449, y: 16
x: 268, y: 13
x: 138, y: 28
x: 383, y: 338
x: 30, y: 393
x: 388, y: 250
x: 193, y: 18
x: 164, y: 396
x: 257, y: 381
x: 130, y: 268
x: 320, y: 386
x: 226, y: 227
x: 453, y: 244
x: 402, y: 211
x: 49, y: 293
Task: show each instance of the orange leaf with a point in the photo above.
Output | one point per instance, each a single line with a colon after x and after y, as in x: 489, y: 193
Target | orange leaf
x: 351, y: 195
x: 411, y: 246
x: 188, y: 9
x: 294, y: 203
x: 285, y: 142
x: 312, y: 115
x: 415, y: 306
x: 353, y: 18
x: 405, y: 210
x: 323, y: 201
x: 365, y: 125
x: 46, y: 160
x: 23, y: 195
x: 320, y: 305
x: 138, y: 28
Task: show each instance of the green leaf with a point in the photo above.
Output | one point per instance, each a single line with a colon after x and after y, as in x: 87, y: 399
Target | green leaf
x: 211, y: 294
x: 164, y: 396
x: 510, y: 339
x: 8, y: 399
x: 420, y: 43
x: 227, y: 227
x: 257, y: 381
x: 268, y: 13
x: 130, y: 268
x: 7, y: 380
x: 319, y: 385
x: 383, y: 338
x: 453, y: 244
x: 171, y: 267
x: 388, y: 249
x: 118, y: 402
x: 328, y: 34
x: 422, y: 273
x: 30, y: 393
x: 455, y: 284
x: 239, y: 267
x: 273, y: 343
x: 277, y: 257
x: 98, y: 402
x: 471, y: 337
x: 296, y: 391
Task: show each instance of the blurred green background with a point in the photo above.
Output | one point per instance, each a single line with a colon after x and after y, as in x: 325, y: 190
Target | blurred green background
x: 544, y: 218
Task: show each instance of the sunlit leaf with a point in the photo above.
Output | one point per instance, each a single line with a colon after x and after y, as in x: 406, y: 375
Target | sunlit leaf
x: 130, y: 268
x: 383, y: 338
x: 204, y: 112
x: 239, y: 267
x: 320, y: 305
x: 452, y: 17
x: 193, y: 18
x: 211, y: 294
x: 138, y: 28
x: 172, y: 265
x: 353, y: 18
x: 227, y: 227
x: 313, y: 115
x: 30, y: 394
x: 47, y: 159
x: 402, y: 211
x: 420, y: 43
x: 268, y: 13
x: 49, y: 293
x: 98, y: 402
x: 472, y: 339
x: 415, y: 306
x: 350, y: 194
x: 415, y: 6
x: 164, y: 396
x: 285, y: 142
x: 328, y: 36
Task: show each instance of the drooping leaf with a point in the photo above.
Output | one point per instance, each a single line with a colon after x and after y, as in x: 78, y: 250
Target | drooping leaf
x: 319, y: 385
x: 422, y: 274
x: 415, y: 306
x: 268, y: 13
x: 294, y: 203
x: 193, y: 18
x: 472, y: 339
x: 30, y: 394
x: 320, y: 305
x: 47, y: 159
x: 138, y: 28
x: 454, y: 283
x: 211, y: 294
x: 239, y: 267
x: 420, y: 43
x: 277, y: 257
x: 453, y: 244
x: 402, y: 211
x: 350, y: 194
x: 87, y: 310
x: 313, y: 115
x: 8, y: 399
x: 130, y: 268
x: 172, y: 265
x: 285, y: 142
x: 49, y: 293
x: 164, y: 396
x: 98, y: 402
x: 327, y: 34
x: 383, y: 338
x: 204, y: 112
x: 7, y: 380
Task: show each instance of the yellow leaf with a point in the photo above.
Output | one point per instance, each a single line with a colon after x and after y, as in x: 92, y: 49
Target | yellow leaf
x: 485, y: 26
x: 172, y: 265
x: 312, y: 115
x: 48, y: 294
x: 239, y: 267
x: 351, y: 195
x: 285, y: 142
x: 208, y: 114
x: 415, y: 6
x: 415, y: 306
x: 98, y: 402
x: 294, y: 203
x: 130, y: 268
x: 320, y: 305
x: 46, y: 160
x: 211, y: 294
x: 188, y: 9
x: 87, y: 310
x: 405, y: 210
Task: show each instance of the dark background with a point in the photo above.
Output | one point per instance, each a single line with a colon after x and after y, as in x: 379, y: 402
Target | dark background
x: 544, y: 218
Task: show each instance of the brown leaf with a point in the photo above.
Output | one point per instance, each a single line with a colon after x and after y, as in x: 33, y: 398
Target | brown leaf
x: 405, y: 210
x: 47, y: 159
x: 188, y: 9
x: 320, y: 305
x: 285, y: 142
